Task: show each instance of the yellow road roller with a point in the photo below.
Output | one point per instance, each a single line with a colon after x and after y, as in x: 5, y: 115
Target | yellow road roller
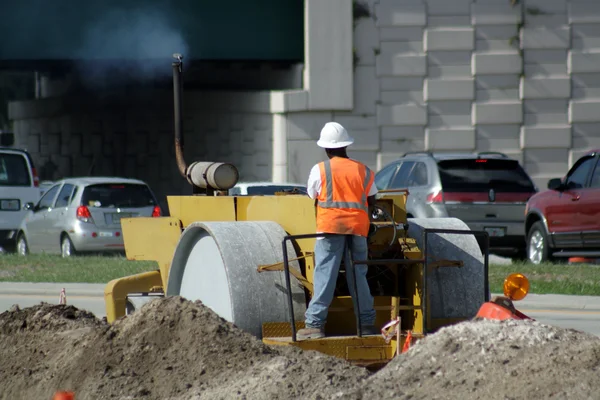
x: 251, y: 260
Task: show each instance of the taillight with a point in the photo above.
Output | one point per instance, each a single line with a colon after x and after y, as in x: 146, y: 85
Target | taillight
x: 83, y: 214
x: 156, y: 212
x: 435, y: 197
x: 36, y: 178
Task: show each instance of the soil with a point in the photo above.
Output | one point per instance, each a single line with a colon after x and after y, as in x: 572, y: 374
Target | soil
x: 174, y: 349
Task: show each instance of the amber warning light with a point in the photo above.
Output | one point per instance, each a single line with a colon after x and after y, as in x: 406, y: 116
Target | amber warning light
x: 516, y: 286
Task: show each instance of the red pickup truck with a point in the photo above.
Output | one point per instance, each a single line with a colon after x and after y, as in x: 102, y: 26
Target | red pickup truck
x: 564, y: 221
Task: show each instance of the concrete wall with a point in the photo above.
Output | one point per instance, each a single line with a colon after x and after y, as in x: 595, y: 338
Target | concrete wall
x: 133, y: 136
x: 440, y: 75
x: 463, y: 75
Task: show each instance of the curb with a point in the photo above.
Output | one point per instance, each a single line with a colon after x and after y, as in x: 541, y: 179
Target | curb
x: 52, y: 289
x: 558, y: 302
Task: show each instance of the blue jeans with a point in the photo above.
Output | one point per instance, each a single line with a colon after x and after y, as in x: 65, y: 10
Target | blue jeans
x: 329, y: 252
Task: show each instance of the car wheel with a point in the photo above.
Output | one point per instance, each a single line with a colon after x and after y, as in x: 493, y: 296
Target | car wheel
x: 22, y: 247
x: 537, y: 244
x: 66, y: 247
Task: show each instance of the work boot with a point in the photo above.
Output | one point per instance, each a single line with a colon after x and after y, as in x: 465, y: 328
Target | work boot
x: 310, y: 333
x: 369, y: 330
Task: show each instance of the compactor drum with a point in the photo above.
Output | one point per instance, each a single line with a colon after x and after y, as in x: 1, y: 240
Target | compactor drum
x: 216, y: 263
x: 251, y: 260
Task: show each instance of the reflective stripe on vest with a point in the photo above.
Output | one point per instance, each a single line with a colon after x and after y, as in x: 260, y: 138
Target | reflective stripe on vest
x: 329, y: 203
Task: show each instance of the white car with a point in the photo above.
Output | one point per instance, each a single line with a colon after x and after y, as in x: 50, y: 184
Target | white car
x: 83, y: 214
x: 19, y: 185
x: 265, y: 188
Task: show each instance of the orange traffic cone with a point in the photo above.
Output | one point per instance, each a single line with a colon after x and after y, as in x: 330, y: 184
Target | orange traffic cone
x: 63, y: 395
x: 407, y: 342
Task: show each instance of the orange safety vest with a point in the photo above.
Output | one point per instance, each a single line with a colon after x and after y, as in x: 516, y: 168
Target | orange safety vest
x: 342, y: 202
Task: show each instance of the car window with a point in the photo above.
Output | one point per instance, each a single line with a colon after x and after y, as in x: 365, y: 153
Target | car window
x: 113, y: 195
x: 382, y: 178
x: 595, y: 183
x: 418, y: 175
x: 48, y: 198
x: 14, y: 170
x: 400, y: 180
x: 272, y: 189
x: 577, y: 177
x: 481, y: 175
x: 64, y: 196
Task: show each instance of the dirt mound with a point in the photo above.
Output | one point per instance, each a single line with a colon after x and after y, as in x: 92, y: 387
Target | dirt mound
x: 169, y: 349
x: 494, y: 360
x: 45, y: 317
x: 179, y: 350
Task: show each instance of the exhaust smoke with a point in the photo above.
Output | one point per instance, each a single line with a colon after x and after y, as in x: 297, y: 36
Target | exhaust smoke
x: 128, y: 46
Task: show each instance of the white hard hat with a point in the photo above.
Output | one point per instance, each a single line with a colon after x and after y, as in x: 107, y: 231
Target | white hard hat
x: 334, y: 136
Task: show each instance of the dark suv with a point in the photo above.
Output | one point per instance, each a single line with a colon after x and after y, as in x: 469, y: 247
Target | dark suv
x: 564, y: 221
x: 488, y: 191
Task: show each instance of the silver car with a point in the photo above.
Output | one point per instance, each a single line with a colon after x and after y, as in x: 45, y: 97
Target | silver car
x: 84, y: 215
x: 488, y: 191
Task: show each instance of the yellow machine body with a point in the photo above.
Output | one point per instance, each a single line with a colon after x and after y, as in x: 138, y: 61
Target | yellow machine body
x: 155, y: 239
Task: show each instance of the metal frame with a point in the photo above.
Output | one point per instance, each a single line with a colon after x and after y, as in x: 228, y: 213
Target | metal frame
x: 403, y: 262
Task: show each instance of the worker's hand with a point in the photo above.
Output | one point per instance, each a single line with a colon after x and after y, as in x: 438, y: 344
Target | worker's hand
x: 376, y: 213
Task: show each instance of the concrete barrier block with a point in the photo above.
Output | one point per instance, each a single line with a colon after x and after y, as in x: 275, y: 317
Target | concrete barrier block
x: 446, y: 89
x: 498, y: 137
x: 546, y: 38
x: 449, y: 39
x: 366, y: 90
x: 410, y: 83
x: 452, y: 113
x: 401, y: 13
x: 584, y: 12
x: 496, y: 63
x: 584, y: 111
x: 365, y: 139
x: 495, y: 32
x: 547, y: 6
x: 389, y: 64
x: 402, y: 97
x: 405, y: 34
x: 545, y: 88
x: 545, y: 137
x: 495, y: 14
x: 583, y: 62
x: 586, y: 135
x: 450, y: 139
x: 403, y: 114
x: 306, y: 125
x: 451, y: 8
x: 545, y: 112
x: 497, y: 113
x: 546, y: 162
x: 366, y: 39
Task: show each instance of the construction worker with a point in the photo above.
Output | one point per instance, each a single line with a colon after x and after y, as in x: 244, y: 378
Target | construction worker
x: 343, y: 190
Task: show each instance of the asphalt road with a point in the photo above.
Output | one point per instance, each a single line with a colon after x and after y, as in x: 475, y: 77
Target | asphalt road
x: 576, y: 312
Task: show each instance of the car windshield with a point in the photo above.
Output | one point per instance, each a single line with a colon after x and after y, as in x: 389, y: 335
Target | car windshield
x: 13, y: 170
x: 112, y: 195
x: 480, y: 175
x: 271, y: 189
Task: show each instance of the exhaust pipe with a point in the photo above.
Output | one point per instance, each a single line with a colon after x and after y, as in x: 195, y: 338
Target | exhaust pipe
x: 205, y: 177
x: 177, y: 89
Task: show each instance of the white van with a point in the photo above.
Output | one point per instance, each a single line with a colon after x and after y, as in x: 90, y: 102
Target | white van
x: 19, y: 185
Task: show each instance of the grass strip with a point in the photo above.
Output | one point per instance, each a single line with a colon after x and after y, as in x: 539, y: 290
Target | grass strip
x: 79, y: 269
x: 575, y: 279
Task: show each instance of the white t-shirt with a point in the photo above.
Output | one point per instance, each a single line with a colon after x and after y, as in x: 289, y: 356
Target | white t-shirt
x: 313, y: 188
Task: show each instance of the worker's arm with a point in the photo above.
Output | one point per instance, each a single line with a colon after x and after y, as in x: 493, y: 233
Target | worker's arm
x: 371, y: 201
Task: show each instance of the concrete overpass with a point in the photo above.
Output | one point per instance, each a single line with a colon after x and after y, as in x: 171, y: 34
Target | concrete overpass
x: 458, y: 75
